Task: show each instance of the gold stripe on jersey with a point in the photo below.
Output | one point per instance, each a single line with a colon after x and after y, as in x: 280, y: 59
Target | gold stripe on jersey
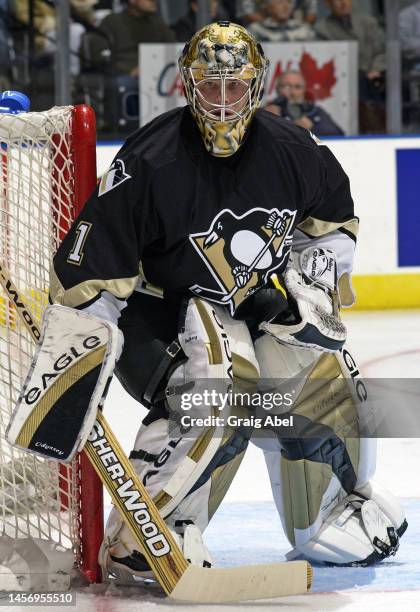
x: 317, y: 227
x: 86, y: 291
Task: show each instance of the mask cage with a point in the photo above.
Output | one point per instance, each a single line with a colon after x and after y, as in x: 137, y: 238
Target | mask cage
x: 217, y: 111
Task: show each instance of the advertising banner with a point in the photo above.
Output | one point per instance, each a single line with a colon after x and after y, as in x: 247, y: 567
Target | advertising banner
x: 329, y: 68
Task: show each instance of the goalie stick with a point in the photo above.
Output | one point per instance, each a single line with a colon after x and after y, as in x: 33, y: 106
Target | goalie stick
x: 179, y: 579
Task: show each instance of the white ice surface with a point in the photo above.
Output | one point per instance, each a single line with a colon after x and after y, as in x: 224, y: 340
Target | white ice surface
x: 246, y: 530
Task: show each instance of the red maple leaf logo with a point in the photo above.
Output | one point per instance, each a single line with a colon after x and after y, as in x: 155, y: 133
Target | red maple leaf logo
x: 319, y: 81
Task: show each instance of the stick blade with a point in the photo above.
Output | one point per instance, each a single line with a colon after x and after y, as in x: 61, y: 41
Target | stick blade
x: 249, y: 582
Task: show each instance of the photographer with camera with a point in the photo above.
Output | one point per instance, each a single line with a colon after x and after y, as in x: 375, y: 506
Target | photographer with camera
x: 291, y: 104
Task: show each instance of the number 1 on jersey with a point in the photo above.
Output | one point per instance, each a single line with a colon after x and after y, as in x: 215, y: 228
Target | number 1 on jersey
x: 76, y: 254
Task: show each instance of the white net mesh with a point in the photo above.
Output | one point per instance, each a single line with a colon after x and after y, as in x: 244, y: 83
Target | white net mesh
x: 38, y: 499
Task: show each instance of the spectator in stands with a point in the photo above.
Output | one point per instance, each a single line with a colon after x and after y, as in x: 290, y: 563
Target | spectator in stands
x: 248, y: 11
x: 44, y: 20
x: 186, y: 27
x: 279, y: 26
x: 122, y: 32
x: 409, y: 26
x: 344, y: 24
x: 45, y: 25
x: 113, y: 53
x: 4, y: 45
x: 306, y: 10
x: 291, y: 104
x: 106, y: 7
x: 83, y: 11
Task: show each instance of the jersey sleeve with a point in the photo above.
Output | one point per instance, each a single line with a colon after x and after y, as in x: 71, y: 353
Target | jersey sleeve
x: 97, y: 264
x: 329, y: 219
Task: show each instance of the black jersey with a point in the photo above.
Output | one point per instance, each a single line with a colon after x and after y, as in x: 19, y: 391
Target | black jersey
x: 190, y: 223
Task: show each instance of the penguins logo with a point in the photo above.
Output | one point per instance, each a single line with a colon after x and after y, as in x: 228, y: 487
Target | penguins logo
x: 242, y: 252
x: 114, y: 177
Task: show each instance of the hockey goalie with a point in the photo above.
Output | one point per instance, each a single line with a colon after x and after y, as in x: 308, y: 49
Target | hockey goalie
x: 216, y: 253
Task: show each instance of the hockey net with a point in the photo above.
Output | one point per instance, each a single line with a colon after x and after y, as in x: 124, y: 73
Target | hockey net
x: 50, y: 514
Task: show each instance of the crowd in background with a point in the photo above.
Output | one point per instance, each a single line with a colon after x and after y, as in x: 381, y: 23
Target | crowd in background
x: 105, y: 34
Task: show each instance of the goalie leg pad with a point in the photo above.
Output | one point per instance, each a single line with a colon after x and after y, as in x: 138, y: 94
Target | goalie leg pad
x: 331, y: 510
x: 188, y: 470
x: 67, y: 381
x: 324, y: 459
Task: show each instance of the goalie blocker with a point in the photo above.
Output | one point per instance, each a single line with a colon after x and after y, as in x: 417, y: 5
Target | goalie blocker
x: 67, y: 382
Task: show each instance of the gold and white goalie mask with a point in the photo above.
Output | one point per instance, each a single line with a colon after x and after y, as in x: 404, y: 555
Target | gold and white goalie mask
x: 223, y: 69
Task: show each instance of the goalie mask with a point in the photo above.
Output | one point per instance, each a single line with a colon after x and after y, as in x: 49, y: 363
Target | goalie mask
x: 223, y: 70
